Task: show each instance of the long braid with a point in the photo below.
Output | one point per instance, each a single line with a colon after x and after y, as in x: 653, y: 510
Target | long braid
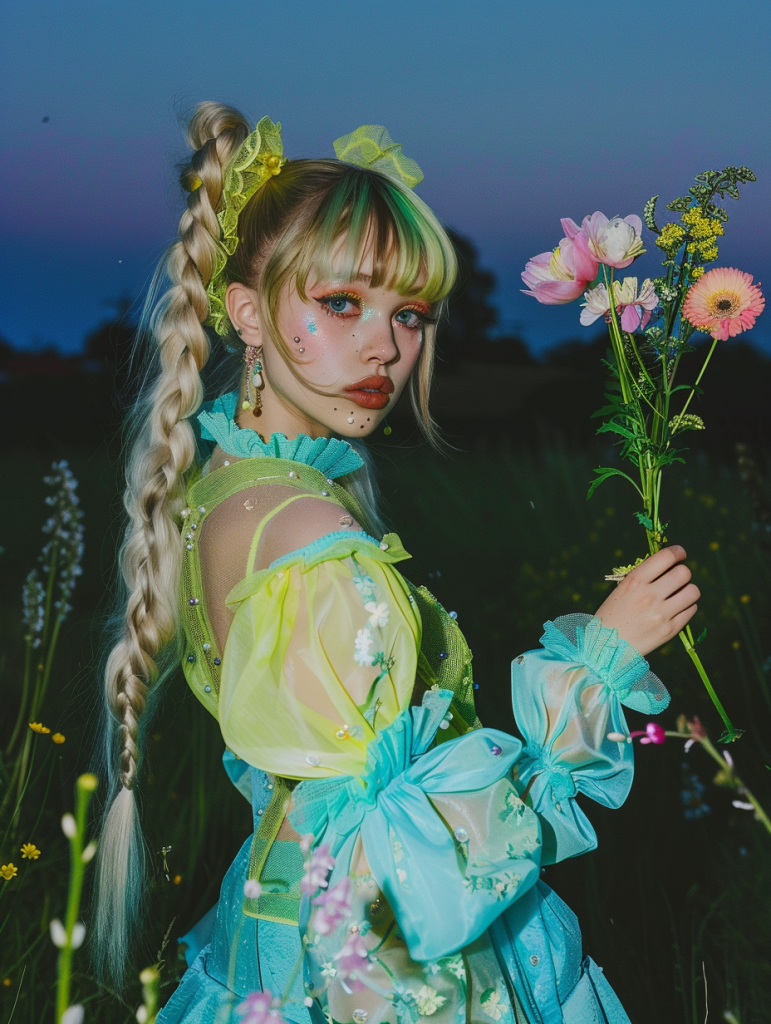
x: 162, y: 451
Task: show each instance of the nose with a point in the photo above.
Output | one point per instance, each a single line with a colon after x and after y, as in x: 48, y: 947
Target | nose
x: 378, y: 344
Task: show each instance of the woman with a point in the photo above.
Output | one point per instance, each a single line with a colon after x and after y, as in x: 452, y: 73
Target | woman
x: 343, y: 692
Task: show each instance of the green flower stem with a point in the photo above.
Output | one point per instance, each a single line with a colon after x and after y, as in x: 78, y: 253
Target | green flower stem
x: 730, y: 773
x: 46, y: 674
x: 683, y: 411
x: 151, y: 984
x: 731, y: 733
x: 23, y: 702
x: 84, y: 788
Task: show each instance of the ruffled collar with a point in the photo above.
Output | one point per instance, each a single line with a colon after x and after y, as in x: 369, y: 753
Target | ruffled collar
x: 330, y: 455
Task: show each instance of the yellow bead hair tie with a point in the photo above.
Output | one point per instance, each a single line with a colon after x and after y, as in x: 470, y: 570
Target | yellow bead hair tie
x: 194, y: 184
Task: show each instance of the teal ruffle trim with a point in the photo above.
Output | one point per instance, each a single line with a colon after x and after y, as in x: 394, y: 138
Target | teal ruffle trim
x: 330, y: 455
x: 583, y: 639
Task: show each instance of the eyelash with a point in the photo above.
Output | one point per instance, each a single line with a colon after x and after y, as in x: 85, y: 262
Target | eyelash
x: 423, y: 318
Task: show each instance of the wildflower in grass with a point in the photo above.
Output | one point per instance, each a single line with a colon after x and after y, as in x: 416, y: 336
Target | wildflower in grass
x: 69, y: 826
x: 745, y: 599
x: 39, y: 727
x: 252, y: 889
x: 33, y: 598
x: 671, y: 238
x: 8, y: 871
x: 64, y: 551
x: 652, y: 733
x: 58, y: 737
x: 317, y: 868
x: 724, y: 303
x: 259, y: 1008
x: 59, y: 934
x: 332, y: 907
x: 7, y: 982
x: 30, y: 852
x: 693, y: 727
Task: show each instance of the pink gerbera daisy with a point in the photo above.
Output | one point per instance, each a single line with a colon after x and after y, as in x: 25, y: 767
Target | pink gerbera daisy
x: 723, y: 303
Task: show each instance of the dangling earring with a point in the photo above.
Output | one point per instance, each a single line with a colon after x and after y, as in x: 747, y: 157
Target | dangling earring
x: 386, y: 428
x: 254, y: 379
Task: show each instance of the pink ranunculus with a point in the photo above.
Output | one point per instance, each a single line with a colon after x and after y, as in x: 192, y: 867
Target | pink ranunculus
x: 616, y: 242
x: 332, y: 907
x: 560, y: 276
x: 633, y: 307
x: 317, y: 868
x: 259, y: 1008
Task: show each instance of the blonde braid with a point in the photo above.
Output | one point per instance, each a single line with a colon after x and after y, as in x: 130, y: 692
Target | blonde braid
x: 162, y: 451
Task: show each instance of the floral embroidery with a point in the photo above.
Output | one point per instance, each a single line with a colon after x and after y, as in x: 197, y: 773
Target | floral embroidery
x: 398, y: 851
x: 456, y: 966
x: 401, y: 874
x: 496, y: 885
x: 490, y: 1002
x: 434, y: 967
x: 328, y: 969
x: 379, y: 613
x: 364, y: 584
x: 513, y: 806
x: 362, y: 644
x: 428, y: 1000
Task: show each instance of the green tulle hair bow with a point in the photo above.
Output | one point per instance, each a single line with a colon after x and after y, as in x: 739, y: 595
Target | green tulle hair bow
x: 259, y: 158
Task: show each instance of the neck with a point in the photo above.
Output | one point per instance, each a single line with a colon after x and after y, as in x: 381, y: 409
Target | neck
x: 277, y: 416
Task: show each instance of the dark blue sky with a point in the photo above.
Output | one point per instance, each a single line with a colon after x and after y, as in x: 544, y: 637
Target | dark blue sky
x: 519, y: 114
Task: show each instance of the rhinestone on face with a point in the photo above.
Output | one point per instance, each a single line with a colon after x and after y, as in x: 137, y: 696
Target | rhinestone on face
x: 350, y: 419
x: 217, y: 661
x: 495, y: 750
x: 207, y: 689
x: 360, y: 1017
x: 461, y: 834
x: 312, y: 760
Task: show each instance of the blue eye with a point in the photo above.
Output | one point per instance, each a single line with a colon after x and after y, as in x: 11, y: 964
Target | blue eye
x: 337, y: 305
x: 408, y: 317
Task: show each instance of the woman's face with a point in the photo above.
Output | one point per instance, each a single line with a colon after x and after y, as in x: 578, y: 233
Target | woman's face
x: 355, y: 344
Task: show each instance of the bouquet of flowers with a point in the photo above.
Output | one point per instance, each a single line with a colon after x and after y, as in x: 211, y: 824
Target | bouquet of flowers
x: 651, y: 326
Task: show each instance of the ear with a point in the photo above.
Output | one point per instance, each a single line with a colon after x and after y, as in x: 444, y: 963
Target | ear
x: 241, y: 303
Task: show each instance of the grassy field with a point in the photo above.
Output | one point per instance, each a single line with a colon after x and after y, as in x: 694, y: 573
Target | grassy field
x: 678, y: 892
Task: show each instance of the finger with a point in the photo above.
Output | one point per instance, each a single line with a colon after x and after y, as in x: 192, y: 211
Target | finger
x: 673, y: 580
x: 684, y: 598
x: 681, y: 620
x: 657, y: 564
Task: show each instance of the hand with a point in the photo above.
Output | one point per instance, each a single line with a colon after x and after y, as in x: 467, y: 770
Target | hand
x: 653, y: 602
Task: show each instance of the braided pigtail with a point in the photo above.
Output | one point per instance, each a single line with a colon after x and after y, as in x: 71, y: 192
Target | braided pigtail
x: 162, y: 450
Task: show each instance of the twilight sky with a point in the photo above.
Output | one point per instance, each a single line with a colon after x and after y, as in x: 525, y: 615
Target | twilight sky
x: 519, y: 114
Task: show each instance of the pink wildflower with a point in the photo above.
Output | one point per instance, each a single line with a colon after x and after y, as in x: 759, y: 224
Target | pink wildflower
x: 259, y: 1008
x: 317, y: 869
x: 616, y: 242
x: 561, y: 276
x: 334, y: 907
x: 653, y: 733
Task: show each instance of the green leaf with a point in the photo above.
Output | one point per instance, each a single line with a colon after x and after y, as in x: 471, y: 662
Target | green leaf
x: 702, y: 636
x: 611, y: 427
x: 644, y: 520
x: 681, y: 204
x: 607, y: 471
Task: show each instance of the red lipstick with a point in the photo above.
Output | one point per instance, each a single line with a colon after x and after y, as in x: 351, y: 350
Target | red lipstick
x: 371, y: 392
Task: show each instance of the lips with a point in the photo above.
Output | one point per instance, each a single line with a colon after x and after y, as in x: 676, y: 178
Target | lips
x: 371, y: 392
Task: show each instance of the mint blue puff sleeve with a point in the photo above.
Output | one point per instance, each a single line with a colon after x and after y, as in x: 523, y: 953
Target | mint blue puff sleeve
x: 567, y: 698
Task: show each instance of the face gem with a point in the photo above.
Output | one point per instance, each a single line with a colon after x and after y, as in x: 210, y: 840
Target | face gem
x: 310, y: 323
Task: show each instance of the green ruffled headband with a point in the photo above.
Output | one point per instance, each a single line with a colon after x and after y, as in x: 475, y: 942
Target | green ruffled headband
x: 260, y: 156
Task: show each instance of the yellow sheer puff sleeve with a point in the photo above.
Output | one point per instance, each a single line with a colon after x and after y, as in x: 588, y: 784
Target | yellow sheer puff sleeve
x: 321, y: 655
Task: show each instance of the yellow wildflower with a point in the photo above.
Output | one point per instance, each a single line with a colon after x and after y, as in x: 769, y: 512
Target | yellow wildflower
x: 7, y: 982
x: 714, y: 546
x: 696, y: 273
x: 8, y: 871
x: 708, y: 250
x: 58, y: 737
x: 745, y: 599
x: 736, y: 645
x: 671, y: 238
x: 39, y: 727
x: 177, y: 879
x: 30, y: 851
